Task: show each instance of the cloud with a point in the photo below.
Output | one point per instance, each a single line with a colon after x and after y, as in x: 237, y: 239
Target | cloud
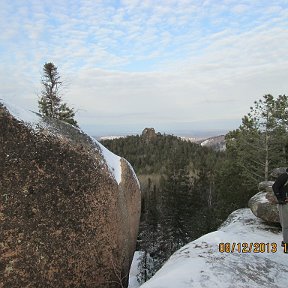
x: 164, y: 61
x: 238, y: 9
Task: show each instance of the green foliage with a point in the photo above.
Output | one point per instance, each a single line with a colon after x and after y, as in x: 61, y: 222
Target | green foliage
x: 189, y: 190
x: 50, y: 103
x: 152, y: 157
x: 259, y: 144
x: 177, y: 204
x: 178, y: 187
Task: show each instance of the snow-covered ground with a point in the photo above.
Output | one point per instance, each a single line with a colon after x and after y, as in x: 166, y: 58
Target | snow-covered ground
x: 134, y: 270
x: 192, y: 139
x: 201, y: 264
x: 111, y: 137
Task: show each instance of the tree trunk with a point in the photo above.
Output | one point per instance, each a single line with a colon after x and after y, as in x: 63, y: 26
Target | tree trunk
x: 266, y: 172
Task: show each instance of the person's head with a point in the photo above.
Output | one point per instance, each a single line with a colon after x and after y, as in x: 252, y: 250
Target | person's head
x: 287, y: 170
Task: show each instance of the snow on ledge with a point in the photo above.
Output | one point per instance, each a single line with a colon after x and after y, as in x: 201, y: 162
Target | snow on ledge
x: 113, y: 161
x: 201, y: 264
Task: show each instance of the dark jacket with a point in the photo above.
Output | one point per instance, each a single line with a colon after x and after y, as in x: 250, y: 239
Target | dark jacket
x: 280, y: 189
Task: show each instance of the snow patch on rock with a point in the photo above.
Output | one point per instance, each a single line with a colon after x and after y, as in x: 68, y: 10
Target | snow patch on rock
x: 113, y: 161
x: 260, y: 197
x: 20, y: 114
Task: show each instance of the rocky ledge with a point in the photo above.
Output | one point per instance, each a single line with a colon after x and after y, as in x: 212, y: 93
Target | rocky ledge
x: 244, y: 252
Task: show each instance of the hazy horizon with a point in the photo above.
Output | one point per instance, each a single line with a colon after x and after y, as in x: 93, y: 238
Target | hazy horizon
x: 192, y: 133
x: 193, y: 129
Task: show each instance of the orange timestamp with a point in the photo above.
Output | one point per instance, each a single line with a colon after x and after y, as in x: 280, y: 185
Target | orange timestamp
x: 252, y: 247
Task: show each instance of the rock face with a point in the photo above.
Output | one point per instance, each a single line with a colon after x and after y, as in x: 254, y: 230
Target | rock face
x: 262, y: 207
x: 149, y: 134
x: 69, y: 208
x: 264, y: 203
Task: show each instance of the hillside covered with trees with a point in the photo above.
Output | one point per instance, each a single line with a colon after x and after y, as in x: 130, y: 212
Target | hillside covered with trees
x: 189, y: 190
x: 184, y: 194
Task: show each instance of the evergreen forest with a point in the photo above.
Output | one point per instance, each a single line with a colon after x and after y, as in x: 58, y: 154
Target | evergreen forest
x: 189, y: 190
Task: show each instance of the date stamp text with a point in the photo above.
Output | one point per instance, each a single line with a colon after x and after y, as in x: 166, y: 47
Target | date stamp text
x: 252, y: 247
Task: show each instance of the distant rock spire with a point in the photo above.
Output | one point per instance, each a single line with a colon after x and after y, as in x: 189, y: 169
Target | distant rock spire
x: 149, y: 134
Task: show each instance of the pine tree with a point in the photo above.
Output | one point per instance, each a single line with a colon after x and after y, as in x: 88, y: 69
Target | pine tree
x: 50, y: 104
x: 259, y: 143
x: 177, y: 205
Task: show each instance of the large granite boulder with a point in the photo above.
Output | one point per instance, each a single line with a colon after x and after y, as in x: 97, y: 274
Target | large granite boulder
x: 264, y: 203
x: 264, y: 207
x: 265, y: 186
x: 278, y: 171
x: 69, y: 208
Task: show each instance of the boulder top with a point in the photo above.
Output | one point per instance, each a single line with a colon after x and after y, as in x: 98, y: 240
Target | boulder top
x: 60, y: 129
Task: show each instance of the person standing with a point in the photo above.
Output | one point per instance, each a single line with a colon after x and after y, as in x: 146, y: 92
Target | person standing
x: 280, y: 189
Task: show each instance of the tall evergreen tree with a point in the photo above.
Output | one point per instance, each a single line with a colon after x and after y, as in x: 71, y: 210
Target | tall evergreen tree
x: 177, y: 204
x: 178, y: 180
x: 260, y: 141
x: 50, y: 103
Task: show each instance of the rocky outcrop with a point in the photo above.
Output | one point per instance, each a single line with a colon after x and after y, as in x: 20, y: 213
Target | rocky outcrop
x: 263, y: 208
x: 266, y: 186
x: 69, y: 208
x: 264, y: 203
x: 278, y: 171
x: 149, y: 134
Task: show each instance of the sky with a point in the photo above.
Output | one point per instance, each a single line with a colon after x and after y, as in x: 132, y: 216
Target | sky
x: 180, y: 66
